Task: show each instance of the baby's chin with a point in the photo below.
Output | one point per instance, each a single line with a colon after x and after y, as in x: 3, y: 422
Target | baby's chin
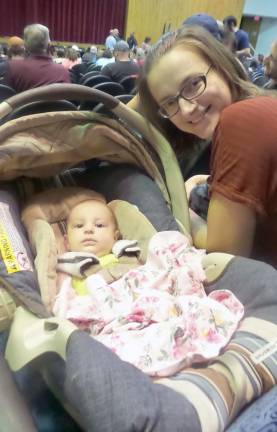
x: 86, y: 249
x: 94, y: 251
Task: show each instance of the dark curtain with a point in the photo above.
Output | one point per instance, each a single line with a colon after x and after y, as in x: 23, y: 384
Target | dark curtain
x: 87, y: 21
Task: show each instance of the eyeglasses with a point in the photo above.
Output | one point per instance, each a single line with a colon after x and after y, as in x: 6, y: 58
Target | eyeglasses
x: 192, y: 89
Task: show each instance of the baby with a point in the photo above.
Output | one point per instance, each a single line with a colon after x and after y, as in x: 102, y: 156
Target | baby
x: 157, y: 316
x: 91, y: 227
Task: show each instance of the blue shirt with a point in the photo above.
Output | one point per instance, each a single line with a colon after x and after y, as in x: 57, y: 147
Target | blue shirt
x: 110, y: 42
x: 242, y: 39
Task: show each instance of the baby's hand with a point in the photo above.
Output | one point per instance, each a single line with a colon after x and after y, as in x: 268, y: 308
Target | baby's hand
x: 76, y: 263
x: 127, y: 247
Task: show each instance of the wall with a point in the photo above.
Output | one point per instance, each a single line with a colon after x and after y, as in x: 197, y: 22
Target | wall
x: 152, y: 17
x: 266, y: 8
x: 267, y: 35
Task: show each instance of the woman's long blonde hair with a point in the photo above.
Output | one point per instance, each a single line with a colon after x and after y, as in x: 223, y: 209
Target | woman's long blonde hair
x: 216, y: 54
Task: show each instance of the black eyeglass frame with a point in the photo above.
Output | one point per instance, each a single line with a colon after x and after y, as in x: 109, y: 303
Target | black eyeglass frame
x: 179, y: 95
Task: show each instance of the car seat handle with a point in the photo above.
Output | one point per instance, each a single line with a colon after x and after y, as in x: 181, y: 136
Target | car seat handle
x: 56, y: 92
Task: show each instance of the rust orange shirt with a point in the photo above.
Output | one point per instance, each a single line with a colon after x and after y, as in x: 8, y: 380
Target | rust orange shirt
x: 244, y: 166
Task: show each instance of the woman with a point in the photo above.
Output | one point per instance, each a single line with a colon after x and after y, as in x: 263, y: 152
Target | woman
x: 146, y: 44
x: 193, y: 87
x: 71, y: 58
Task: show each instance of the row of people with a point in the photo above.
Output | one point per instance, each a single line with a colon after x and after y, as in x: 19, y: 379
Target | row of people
x: 38, y: 68
x: 114, y: 37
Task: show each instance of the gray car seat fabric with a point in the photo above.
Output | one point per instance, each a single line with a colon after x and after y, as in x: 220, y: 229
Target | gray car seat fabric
x: 47, y: 412
x: 127, y: 183
x: 113, y: 396
x: 16, y: 273
x: 254, y: 283
x: 16, y: 413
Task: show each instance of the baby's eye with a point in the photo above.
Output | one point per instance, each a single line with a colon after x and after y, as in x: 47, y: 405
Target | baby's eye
x: 79, y: 225
x: 99, y: 225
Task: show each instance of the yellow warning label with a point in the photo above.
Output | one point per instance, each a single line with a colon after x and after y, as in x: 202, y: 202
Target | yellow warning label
x: 7, y: 253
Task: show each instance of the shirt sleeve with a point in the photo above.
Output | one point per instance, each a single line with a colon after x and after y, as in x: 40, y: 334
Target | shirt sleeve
x: 240, y: 168
x: 243, y: 41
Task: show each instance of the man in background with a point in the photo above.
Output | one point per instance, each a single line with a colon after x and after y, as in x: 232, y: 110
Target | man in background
x: 38, y: 68
x: 123, y: 66
x: 242, y: 39
x: 112, y: 39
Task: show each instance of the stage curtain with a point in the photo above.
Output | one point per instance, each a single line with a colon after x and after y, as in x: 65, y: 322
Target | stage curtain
x: 84, y: 21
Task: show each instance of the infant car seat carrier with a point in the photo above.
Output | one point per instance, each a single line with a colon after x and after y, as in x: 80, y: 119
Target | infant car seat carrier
x: 43, y: 145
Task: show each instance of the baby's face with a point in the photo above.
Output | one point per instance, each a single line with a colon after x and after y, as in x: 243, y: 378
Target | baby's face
x: 91, y: 228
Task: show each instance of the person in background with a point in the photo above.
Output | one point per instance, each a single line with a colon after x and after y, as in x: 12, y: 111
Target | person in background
x: 270, y: 67
x: 146, y: 44
x: 106, y: 58
x: 15, y: 51
x: 16, y: 48
x: 261, y: 59
x: 59, y: 54
x: 132, y: 42
x: 229, y: 40
x: 116, y: 35
x: 76, y: 48
x: 206, y: 21
x: 243, y: 46
x: 256, y: 73
x: 38, y: 68
x: 139, y: 56
x: 123, y: 66
x: 90, y: 55
x: 3, y: 51
x: 71, y: 58
x: 111, y: 40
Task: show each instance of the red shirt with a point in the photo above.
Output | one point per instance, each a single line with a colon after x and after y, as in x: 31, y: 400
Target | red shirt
x: 244, y: 166
x: 34, y: 71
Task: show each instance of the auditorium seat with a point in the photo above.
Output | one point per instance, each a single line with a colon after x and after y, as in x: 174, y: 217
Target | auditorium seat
x: 129, y: 83
x: 41, y: 107
x: 94, y: 67
x: 92, y: 81
x: 6, y: 92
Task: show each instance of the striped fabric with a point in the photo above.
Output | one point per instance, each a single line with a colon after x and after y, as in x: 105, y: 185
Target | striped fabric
x: 246, y: 370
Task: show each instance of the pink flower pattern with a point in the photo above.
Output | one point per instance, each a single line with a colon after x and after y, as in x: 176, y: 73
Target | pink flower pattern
x: 158, y: 316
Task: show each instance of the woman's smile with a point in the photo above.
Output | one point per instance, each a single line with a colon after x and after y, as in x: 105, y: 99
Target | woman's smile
x: 201, y: 114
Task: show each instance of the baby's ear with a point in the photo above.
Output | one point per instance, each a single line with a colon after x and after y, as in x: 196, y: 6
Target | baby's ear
x: 117, y: 235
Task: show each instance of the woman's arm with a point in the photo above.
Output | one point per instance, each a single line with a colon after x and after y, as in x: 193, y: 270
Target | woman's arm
x: 230, y: 227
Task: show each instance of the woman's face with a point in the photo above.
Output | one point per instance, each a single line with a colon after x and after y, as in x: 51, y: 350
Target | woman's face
x: 170, y: 75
